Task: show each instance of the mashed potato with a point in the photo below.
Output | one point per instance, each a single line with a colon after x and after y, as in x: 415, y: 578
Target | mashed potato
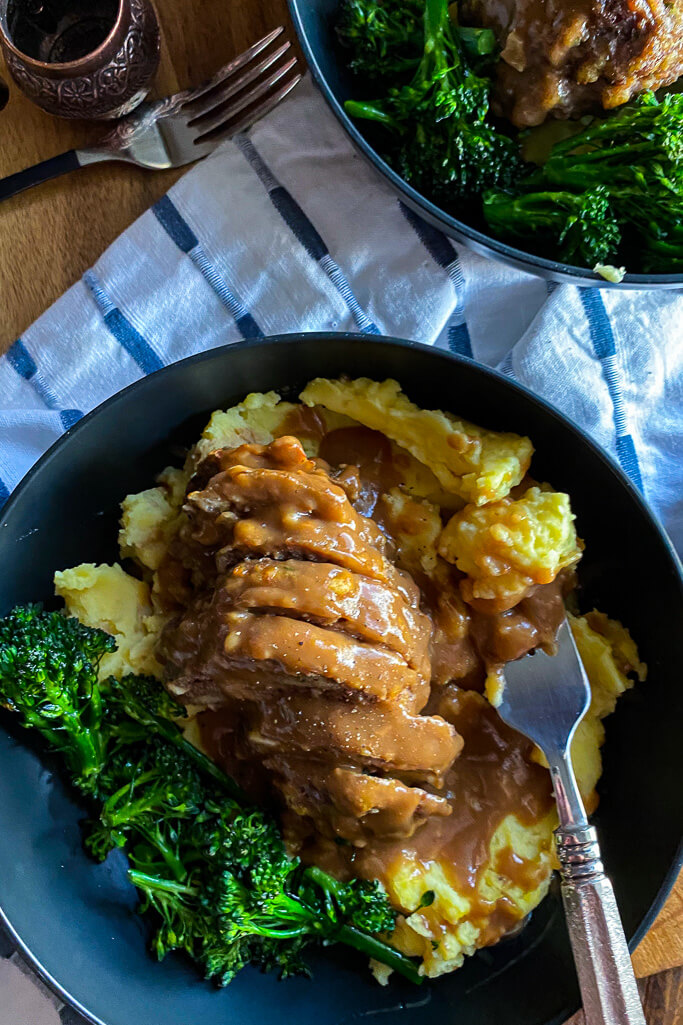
x: 509, y: 546
x: 108, y: 598
x: 150, y: 519
x: 478, y: 465
x: 442, y: 461
x: 610, y: 658
x: 456, y: 923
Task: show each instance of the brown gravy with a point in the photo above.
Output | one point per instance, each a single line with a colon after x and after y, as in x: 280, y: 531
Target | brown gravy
x: 445, y: 769
x: 492, y: 778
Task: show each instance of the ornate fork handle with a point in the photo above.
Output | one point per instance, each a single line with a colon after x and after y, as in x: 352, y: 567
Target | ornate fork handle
x: 603, y: 964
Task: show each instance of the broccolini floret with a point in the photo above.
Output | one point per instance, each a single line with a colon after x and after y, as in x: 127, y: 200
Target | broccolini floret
x: 48, y: 674
x: 383, y: 37
x: 436, y: 132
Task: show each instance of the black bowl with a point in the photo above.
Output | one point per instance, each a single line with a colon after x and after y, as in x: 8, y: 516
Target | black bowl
x: 75, y: 920
x: 314, y: 21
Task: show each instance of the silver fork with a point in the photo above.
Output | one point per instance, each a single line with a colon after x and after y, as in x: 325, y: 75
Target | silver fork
x: 545, y: 697
x: 187, y: 126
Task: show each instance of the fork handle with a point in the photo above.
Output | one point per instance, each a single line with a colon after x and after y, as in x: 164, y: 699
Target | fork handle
x: 603, y: 963
x: 52, y: 168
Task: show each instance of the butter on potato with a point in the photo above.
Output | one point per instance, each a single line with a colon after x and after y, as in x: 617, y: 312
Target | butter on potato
x: 478, y: 465
x: 108, y: 598
x: 507, y: 547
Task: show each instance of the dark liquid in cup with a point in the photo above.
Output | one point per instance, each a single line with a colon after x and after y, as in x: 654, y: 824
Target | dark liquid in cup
x: 57, y: 31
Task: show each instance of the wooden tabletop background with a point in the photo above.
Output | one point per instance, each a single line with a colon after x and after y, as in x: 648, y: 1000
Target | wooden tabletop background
x: 51, y: 235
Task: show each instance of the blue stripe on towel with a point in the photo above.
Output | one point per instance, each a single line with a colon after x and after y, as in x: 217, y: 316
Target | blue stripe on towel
x: 444, y: 253
x: 604, y: 346
x: 177, y: 228
x: 122, y: 330
x: 305, y: 232
x: 4, y: 492
x: 459, y: 340
x: 292, y: 214
x: 69, y: 417
x: 628, y: 459
x: 21, y: 360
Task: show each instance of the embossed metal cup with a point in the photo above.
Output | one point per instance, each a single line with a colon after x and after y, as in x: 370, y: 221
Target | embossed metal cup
x: 108, y: 82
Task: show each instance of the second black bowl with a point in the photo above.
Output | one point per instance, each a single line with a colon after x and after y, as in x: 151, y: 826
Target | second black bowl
x: 314, y: 21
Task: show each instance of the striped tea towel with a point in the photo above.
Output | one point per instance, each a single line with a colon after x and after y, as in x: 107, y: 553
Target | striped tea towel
x: 288, y: 229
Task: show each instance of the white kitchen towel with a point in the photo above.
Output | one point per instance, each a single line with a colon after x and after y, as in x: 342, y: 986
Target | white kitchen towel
x: 288, y: 229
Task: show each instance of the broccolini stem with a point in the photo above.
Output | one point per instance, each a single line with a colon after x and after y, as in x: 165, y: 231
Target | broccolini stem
x: 380, y: 951
x: 325, y: 881
x: 283, y: 934
x: 116, y: 818
x: 143, y: 881
x: 167, y: 853
x: 171, y: 732
x: 88, y: 748
x: 609, y: 161
x: 604, y: 127
x: 371, y: 113
x: 363, y: 941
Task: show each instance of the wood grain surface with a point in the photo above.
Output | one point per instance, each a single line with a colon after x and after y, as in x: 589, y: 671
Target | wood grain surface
x: 52, y: 234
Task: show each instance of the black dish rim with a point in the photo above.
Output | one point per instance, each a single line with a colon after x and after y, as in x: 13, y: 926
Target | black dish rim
x: 151, y: 381
x: 478, y: 241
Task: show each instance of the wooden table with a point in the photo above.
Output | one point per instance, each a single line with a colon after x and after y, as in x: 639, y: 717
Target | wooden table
x: 50, y: 236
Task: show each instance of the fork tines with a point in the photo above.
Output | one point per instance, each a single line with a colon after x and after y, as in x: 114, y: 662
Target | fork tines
x: 246, y: 86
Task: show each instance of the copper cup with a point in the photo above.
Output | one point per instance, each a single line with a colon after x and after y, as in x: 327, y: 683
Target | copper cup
x: 108, y: 82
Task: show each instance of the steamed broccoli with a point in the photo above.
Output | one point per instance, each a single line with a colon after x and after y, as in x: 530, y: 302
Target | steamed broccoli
x: 244, y: 899
x: 612, y: 190
x: 583, y: 226
x: 436, y: 133
x: 141, y: 699
x: 48, y: 674
x: 212, y: 870
x: 383, y: 37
